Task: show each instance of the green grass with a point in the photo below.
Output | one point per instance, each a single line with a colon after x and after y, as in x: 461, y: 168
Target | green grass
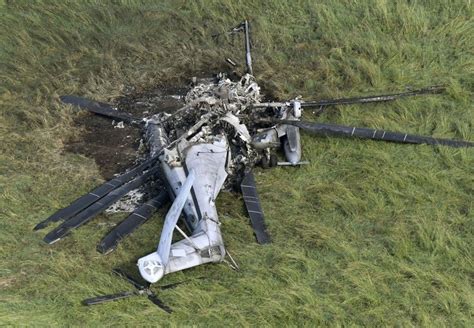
x: 367, y: 234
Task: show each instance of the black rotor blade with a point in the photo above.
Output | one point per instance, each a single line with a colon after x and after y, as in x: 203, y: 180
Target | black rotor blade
x: 100, y: 109
x: 252, y: 203
x: 109, y: 298
x: 98, y: 207
x: 137, y: 284
x: 376, y: 98
x: 86, y: 200
x: 159, y: 303
x: 134, y: 220
x: 142, y: 288
x: 115, y: 297
x: 366, y: 133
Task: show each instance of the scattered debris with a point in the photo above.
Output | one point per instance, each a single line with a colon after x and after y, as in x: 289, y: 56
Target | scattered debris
x: 127, y: 203
x: 119, y: 125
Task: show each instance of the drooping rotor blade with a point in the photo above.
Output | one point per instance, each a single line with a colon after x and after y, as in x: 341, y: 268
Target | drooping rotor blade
x: 134, y: 220
x: 109, y: 298
x: 366, y: 133
x: 252, y: 202
x: 371, y: 99
x: 86, y: 200
x: 98, y: 207
x: 356, y: 100
x: 137, y: 284
x: 100, y: 109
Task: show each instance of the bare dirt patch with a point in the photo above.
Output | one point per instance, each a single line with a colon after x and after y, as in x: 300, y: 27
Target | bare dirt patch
x: 115, y: 149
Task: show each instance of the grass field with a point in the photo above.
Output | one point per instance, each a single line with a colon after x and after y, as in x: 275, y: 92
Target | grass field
x: 368, y: 234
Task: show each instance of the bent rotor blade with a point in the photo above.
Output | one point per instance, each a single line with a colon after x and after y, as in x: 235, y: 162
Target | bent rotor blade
x: 143, y: 289
x: 371, y: 99
x: 252, y: 202
x: 366, y: 133
x: 98, y: 207
x: 134, y: 220
x: 93, y: 196
x: 115, y: 297
x: 108, y: 298
x: 100, y: 109
x: 138, y: 285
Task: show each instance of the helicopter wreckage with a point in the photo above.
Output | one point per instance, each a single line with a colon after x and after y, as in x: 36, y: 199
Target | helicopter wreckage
x: 212, y: 142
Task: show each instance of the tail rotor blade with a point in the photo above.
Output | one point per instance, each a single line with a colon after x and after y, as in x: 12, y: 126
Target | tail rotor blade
x: 99, y: 108
x: 138, y: 285
x: 98, y: 207
x: 108, y: 298
x: 134, y: 220
x: 366, y: 133
x: 159, y: 303
x: 143, y: 289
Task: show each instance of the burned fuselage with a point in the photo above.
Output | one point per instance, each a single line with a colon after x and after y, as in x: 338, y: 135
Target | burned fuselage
x: 208, y: 138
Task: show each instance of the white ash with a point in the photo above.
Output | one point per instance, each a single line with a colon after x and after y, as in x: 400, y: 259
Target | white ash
x: 127, y: 203
x: 119, y: 125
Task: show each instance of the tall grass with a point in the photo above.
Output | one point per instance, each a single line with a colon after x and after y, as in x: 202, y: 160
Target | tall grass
x: 367, y: 234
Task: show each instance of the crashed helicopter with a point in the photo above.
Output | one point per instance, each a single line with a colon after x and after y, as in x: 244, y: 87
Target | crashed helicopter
x: 212, y: 142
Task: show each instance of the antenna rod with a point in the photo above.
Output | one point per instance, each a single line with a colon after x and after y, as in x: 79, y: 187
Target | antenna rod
x: 248, y: 58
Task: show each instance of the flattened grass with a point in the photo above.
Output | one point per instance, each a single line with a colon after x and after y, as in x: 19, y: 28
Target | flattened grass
x: 367, y: 234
